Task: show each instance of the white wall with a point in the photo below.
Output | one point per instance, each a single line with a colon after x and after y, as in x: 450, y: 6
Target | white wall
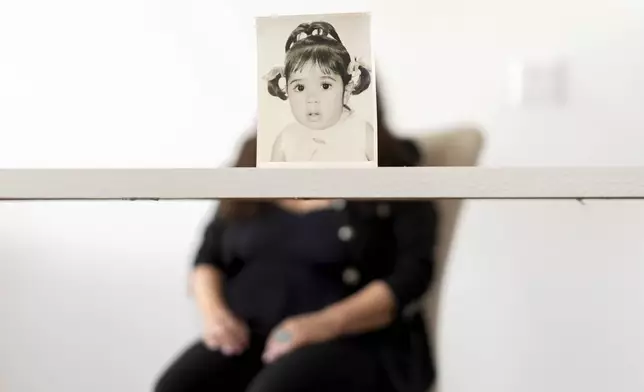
x: 541, y: 296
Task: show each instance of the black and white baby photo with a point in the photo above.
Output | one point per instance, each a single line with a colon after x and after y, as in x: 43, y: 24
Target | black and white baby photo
x: 316, y: 91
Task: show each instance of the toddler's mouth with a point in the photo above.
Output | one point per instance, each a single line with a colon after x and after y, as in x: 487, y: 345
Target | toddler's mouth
x: 313, y: 116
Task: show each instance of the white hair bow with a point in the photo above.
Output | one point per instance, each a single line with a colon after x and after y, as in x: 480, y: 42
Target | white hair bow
x: 277, y: 70
x: 354, y: 70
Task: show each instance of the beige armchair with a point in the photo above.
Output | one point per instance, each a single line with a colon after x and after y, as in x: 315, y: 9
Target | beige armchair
x: 450, y: 147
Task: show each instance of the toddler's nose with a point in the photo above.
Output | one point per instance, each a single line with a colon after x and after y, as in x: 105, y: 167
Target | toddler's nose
x: 312, y: 98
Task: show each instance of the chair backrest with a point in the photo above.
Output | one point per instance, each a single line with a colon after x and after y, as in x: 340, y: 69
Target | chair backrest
x: 449, y: 147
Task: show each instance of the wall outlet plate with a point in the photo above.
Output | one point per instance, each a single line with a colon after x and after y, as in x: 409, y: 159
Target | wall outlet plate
x: 538, y: 83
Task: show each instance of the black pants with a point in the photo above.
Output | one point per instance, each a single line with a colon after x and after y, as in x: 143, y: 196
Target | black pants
x: 343, y: 365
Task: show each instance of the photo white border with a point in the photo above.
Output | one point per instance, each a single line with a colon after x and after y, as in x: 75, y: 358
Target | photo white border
x: 261, y: 88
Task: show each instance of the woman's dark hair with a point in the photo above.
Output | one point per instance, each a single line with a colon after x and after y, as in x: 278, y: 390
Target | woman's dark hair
x: 321, y: 45
x: 392, y: 151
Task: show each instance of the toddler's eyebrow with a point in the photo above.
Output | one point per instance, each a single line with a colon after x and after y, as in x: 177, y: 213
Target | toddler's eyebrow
x: 328, y: 77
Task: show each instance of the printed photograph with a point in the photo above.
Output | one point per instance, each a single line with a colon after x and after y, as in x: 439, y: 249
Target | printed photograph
x: 316, y: 91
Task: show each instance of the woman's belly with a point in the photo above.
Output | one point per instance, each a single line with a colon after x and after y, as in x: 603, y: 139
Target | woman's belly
x: 264, y: 295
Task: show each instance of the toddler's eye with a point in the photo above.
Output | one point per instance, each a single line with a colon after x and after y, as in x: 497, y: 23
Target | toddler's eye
x: 298, y: 88
x: 326, y: 86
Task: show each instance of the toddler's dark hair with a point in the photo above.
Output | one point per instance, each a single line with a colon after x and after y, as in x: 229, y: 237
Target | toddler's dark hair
x: 321, y: 46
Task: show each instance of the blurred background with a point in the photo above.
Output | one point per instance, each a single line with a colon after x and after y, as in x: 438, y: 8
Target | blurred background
x: 540, y: 296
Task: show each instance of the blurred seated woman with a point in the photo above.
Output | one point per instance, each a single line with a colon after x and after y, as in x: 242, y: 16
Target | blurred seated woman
x: 312, y: 295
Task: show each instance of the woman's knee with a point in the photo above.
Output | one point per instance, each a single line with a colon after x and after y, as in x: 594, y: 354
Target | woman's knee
x: 284, y: 375
x: 172, y: 380
x: 200, y: 369
x: 186, y: 372
x: 330, y: 366
x: 267, y: 382
x: 161, y: 384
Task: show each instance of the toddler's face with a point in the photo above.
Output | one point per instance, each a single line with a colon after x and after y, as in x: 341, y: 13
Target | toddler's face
x: 316, y: 98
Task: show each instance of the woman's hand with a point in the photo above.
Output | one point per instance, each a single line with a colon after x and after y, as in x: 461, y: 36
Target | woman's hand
x: 225, y: 332
x: 371, y: 308
x: 299, y: 331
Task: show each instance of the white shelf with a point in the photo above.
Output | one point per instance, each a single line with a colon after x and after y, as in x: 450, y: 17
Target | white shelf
x: 378, y: 183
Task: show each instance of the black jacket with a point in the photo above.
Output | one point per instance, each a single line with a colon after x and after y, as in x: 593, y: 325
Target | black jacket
x: 395, y: 241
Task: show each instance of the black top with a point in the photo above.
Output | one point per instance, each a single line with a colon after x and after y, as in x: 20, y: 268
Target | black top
x: 292, y: 264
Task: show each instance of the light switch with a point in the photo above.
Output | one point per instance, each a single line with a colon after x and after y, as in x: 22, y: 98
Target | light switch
x: 538, y: 83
